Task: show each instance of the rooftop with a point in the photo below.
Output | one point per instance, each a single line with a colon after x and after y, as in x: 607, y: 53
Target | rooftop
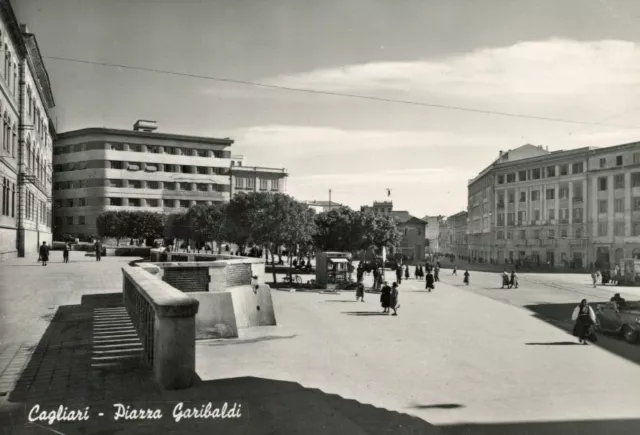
x: 258, y: 169
x: 150, y: 135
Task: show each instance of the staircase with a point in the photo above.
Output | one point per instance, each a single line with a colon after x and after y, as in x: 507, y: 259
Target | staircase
x: 115, y: 342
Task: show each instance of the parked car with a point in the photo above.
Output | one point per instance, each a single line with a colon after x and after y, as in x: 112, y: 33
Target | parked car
x: 621, y: 318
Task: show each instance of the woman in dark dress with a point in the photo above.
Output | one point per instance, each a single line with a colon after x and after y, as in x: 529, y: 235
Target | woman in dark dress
x: 429, y: 286
x: 65, y: 253
x: 360, y: 291
x: 394, y: 299
x: 466, y: 277
x: 44, y: 253
x: 406, y: 272
x: 416, y: 273
x: 584, y: 318
x: 385, y: 297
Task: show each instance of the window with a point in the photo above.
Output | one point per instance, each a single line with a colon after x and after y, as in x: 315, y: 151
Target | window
x: 500, y: 219
x: 535, y: 174
x: 184, y: 204
x: 551, y: 214
x: 563, y: 215
x: 136, y: 148
x: 136, y: 184
x: 635, y: 229
x: 168, y: 203
x: 134, y: 202
x: 536, y: 215
x: 603, y: 229
x: 578, y: 215
x: 535, y: 195
x: 69, y: 220
x: 618, y: 160
x: 511, y: 218
x: 618, y: 181
x: 564, y: 169
x: 116, y: 164
x: 82, y: 202
x: 563, y: 233
x: 551, y: 171
x: 69, y: 202
x: 522, y: 176
x: 153, y: 185
x: 577, y: 168
x: 117, y: 147
x: 618, y: 205
x: 522, y: 216
x: 618, y: 229
x: 500, y: 179
x: 551, y: 234
x: 636, y: 158
x: 152, y: 203
x: 511, y: 197
x: 577, y: 233
x: 275, y: 185
x: 635, y: 179
x: 251, y: 183
x: 115, y: 201
x: 509, y: 235
x: 551, y: 193
x: 563, y: 193
x: 536, y: 234
x: 185, y: 186
x: 635, y: 203
x: 239, y: 182
x: 523, y: 196
x: 602, y: 184
x: 602, y: 206
x: 81, y: 220
x: 511, y: 178
x: 603, y: 163
x: 263, y: 184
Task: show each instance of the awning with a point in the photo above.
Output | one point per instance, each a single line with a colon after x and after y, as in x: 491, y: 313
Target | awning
x: 151, y: 169
x: 133, y: 167
x: 338, y: 260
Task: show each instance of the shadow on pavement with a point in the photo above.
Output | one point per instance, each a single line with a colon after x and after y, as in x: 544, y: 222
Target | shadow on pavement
x: 439, y: 406
x: 89, y: 356
x: 582, y: 427
x: 364, y: 313
x: 559, y: 315
x: 555, y: 343
x: 348, y: 302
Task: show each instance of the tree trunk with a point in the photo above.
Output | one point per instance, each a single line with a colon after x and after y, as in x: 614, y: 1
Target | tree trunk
x: 273, y: 264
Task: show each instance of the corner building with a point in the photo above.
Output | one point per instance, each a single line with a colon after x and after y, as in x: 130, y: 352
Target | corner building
x: 572, y: 208
x: 26, y: 133
x: 100, y: 169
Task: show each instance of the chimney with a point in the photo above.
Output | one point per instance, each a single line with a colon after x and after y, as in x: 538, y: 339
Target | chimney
x: 24, y: 29
x: 500, y: 155
x: 145, y: 125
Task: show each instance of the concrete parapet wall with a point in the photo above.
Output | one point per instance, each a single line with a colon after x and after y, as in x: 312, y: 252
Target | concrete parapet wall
x: 216, y: 316
x: 252, y: 307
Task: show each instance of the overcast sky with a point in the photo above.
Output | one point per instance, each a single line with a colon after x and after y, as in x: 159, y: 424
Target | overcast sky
x: 571, y: 59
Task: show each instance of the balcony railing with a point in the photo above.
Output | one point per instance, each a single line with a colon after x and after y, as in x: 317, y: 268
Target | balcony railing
x: 577, y: 199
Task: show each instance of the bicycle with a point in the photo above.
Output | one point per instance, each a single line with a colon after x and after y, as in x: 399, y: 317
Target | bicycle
x: 292, y: 279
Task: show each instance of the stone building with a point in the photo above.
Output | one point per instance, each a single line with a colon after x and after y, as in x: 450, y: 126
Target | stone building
x: 256, y: 178
x: 26, y: 102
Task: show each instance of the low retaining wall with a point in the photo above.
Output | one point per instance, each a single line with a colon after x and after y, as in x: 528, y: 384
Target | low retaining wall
x: 229, y: 294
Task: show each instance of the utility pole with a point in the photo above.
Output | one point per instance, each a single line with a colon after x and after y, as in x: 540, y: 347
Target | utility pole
x: 329, y: 199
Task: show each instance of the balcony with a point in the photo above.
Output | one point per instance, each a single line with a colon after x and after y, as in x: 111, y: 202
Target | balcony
x: 577, y: 242
x: 577, y: 199
x: 563, y: 221
x: 500, y: 205
x: 534, y: 242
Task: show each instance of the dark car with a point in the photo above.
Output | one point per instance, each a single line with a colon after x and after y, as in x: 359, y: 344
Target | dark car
x: 621, y: 318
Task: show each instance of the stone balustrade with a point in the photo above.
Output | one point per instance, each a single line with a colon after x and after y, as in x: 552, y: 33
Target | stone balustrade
x: 164, y: 318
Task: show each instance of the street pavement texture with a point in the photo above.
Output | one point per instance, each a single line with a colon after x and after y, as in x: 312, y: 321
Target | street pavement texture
x: 473, y: 359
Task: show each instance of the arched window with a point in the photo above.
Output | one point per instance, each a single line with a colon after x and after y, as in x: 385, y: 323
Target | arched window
x: 14, y: 142
x: 28, y: 153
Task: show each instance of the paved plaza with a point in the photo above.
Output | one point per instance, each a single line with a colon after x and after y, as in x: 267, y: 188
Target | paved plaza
x: 473, y: 359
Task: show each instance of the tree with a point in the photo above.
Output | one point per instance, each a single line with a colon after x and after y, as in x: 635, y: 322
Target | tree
x: 237, y: 225
x: 341, y: 229
x: 206, y: 223
x: 113, y: 224
x: 146, y: 225
x: 382, y: 232
x: 177, y: 227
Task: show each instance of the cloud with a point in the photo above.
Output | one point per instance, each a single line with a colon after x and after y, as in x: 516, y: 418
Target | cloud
x: 555, y: 67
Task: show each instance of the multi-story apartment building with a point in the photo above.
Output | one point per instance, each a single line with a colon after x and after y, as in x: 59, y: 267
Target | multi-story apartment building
x: 613, y: 211
x: 26, y: 102
x: 256, y: 178
x: 565, y: 208
x: 100, y: 169
x: 457, y: 224
x: 444, y: 237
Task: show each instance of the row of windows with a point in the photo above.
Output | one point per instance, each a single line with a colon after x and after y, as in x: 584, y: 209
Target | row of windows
x: 550, y: 194
x: 10, y: 69
x: 138, y: 166
x: 154, y: 149
x: 577, y: 233
x: 8, y: 197
x: 9, y: 136
x: 538, y: 173
x: 618, y: 182
x: 142, y: 184
x: 250, y: 183
x: 536, y: 216
x: 36, y: 117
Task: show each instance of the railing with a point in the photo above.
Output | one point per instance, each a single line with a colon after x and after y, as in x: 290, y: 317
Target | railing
x: 164, y: 319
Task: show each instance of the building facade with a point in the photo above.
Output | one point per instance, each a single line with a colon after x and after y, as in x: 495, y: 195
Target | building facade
x: 572, y: 208
x: 433, y: 233
x: 444, y: 237
x: 26, y: 102
x: 100, y: 169
x: 457, y: 227
x: 256, y: 178
x: 323, y: 206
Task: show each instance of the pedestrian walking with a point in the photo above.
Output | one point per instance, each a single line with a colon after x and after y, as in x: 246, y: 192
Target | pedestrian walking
x: 65, y: 253
x: 360, y: 291
x: 455, y: 270
x: 399, y: 274
x: 406, y: 272
x: 385, y: 298
x: 44, y: 253
x: 429, y: 284
x: 585, y: 319
x: 436, y: 274
x: 98, y: 248
x: 514, y: 279
x: 416, y: 272
x: 594, y: 278
x: 394, y: 299
x: 466, y: 279
x: 359, y: 272
x: 505, y: 279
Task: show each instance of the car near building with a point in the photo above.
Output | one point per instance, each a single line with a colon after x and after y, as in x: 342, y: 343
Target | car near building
x: 621, y: 318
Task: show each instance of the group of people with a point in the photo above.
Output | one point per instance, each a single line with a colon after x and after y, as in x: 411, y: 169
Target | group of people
x: 509, y: 281
x: 44, y: 251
